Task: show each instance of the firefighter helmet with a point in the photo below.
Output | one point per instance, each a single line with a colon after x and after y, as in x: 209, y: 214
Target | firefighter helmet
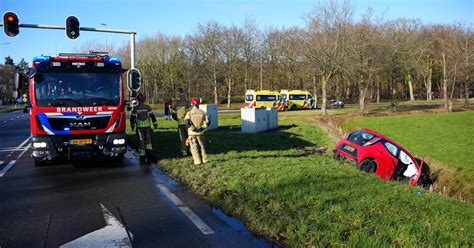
x: 195, y: 101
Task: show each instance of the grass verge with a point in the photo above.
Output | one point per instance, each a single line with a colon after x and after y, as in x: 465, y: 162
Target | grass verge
x: 298, y: 198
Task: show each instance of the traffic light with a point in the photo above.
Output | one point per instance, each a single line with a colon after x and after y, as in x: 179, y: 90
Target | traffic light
x: 11, y: 24
x: 72, y: 27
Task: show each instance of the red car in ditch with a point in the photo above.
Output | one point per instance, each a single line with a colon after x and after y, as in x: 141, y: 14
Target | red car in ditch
x: 372, y: 152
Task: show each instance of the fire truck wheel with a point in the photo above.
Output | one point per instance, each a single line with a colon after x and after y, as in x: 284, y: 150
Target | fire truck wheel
x: 39, y: 163
x: 118, y: 160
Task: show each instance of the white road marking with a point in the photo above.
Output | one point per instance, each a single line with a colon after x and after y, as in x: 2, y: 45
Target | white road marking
x: 12, y: 149
x: 112, y: 235
x: 9, y: 165
x: 24, y: 142
x: 205, y: 229
x: 198, y: 222
x: 1, y: 162
x: 23, y: 152
x: 4, y: 121
x: 176, y: 201
x: 12, y: 119
x: 12, y: 163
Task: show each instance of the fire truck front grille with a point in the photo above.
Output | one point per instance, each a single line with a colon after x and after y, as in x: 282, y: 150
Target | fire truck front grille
x: 75, y: 124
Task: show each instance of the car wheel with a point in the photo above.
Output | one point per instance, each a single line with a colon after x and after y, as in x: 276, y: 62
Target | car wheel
x: 285, y: 108
x: 293, y: 107
x: 368, y: 165
x: 118, y: 161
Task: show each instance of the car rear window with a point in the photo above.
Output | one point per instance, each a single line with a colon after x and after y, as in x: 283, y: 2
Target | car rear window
x: 360, y: 137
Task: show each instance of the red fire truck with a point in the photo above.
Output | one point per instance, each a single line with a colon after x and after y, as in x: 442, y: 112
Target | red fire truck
x: 77, y: 108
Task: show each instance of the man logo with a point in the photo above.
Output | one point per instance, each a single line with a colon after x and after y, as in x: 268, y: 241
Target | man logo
x: 80, y: 125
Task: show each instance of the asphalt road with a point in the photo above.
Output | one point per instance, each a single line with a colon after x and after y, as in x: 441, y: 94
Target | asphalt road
x: 63, y: 205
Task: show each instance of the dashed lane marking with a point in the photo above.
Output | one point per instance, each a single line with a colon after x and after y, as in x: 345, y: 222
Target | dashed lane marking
x: 173, y: 198
x: 9, y: 165
x: 12, y: 163
x: 205, y: 229
x: 198, y: 222
x: 1, y: 162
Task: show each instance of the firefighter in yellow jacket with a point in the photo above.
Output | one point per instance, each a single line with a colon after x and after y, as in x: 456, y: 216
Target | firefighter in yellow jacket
x: 197, y: 121
x: 142, y: 117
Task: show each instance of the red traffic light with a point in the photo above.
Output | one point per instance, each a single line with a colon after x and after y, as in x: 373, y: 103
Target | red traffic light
x: 11, y: 24
x: 72, y: 27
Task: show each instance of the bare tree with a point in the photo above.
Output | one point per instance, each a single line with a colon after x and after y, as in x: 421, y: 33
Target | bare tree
x: 230, y: 45
x: 326, y: 31
x: 208, y: 35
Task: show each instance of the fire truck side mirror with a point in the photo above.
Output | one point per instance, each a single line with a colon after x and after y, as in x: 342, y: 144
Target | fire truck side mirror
x: 38, y: 78
x: 134, y: 81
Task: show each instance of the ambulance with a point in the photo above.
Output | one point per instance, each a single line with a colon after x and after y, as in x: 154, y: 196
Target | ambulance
x: 261, y: 99
x: 296, y: 99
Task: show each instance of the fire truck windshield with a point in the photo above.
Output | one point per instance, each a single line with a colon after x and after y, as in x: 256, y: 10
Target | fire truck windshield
x: 57, y: 89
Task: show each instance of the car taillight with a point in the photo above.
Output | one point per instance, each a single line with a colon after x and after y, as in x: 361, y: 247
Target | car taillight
x: 372, y: 141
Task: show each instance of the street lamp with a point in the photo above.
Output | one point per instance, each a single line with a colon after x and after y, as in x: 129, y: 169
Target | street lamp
x: 261, y: 67
x: 105, y: 26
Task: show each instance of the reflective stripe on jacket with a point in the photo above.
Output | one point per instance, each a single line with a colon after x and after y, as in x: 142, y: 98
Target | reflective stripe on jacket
x: 142, y: 116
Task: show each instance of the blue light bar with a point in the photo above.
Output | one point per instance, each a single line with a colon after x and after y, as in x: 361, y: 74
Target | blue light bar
x: 114, y: 60
x: 38, y: 59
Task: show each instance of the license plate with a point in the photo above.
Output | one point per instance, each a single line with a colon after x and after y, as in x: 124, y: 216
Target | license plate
x: 80, y: 142
x: 349, y: 148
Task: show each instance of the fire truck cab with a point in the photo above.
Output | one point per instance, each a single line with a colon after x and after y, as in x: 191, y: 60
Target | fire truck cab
x: 77, y: 108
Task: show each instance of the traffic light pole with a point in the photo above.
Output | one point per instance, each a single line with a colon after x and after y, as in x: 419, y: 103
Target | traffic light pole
x: 104, y: 30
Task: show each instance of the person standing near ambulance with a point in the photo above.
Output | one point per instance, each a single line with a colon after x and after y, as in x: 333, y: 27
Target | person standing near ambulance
x: 197, y: 121
x: 142, y: 117
x: 180, y: 109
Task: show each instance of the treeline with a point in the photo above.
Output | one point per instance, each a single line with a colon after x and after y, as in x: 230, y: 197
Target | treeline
x: 333, y: 55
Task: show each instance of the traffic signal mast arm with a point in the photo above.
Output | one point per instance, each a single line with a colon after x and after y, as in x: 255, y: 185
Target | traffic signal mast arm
x: 105, y: 30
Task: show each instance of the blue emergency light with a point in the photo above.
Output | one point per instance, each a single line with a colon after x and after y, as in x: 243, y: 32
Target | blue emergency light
x: 114, y: 60
x: 39, y: 59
